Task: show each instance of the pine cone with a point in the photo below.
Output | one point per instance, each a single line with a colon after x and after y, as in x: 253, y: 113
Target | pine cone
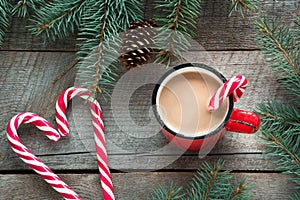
x: 138, y: 42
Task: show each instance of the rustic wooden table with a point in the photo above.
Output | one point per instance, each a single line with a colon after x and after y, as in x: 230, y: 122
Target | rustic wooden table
x: 33, y: 74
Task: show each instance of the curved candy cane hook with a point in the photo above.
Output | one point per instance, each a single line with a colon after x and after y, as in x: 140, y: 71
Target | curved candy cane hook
x: 29, y: 158
x: 63, y: 128
x: 97, y: 119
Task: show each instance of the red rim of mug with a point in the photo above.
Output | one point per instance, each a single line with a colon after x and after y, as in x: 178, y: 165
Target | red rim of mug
x: 172, y: 70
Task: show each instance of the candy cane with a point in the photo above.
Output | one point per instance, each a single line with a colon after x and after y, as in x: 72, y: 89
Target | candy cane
x: 29, y: 158
x: 63, y: 128
x: 236, y: 86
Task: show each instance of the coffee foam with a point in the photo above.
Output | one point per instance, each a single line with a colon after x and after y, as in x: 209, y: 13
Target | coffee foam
x: 182, y: 102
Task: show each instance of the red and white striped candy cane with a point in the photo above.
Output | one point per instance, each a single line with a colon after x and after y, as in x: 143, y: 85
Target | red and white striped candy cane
x: 236, y: 86
x: 29, y: 158
x: 63, y: 128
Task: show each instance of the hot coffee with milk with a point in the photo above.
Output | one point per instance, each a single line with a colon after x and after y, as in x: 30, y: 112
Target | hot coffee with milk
x: 182, y: 102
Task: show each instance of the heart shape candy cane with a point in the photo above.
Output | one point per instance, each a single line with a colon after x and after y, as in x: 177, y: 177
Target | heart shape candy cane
x: 29, y: 158
x: 63, y: 128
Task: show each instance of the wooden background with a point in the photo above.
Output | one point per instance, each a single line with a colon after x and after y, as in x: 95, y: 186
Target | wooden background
x: 33, y: 74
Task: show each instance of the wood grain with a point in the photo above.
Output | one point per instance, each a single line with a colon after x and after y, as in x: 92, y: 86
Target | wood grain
x: 130, y: 186
x: 24, y: 75
x: 47, y: 99
x: 19, y: 38
x: 143, y: 162
x: 215, y: 29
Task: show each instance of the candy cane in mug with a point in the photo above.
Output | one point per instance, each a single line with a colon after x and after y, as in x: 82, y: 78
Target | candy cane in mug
x: 235, y: 86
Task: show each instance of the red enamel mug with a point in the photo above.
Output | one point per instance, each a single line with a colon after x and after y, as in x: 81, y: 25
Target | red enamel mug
x: 180, y: 100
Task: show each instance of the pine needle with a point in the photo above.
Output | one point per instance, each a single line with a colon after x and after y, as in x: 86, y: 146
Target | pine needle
x: 5, y: 9
x: 24, y: 7
x: 242, y: 5
x: 281, y: 130
x: 57, y: 19
x: 100, y: 42
x: 282, y: 50
x: 176, y: 22
x: 281, y: 121
x: 164, y: 192
x: 209, y: 182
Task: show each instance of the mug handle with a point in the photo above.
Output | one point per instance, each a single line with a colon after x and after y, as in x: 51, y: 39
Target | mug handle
x: 243, y: 121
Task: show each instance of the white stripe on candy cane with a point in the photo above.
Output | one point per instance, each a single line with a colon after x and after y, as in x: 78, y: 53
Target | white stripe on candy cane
x: 231, y: 86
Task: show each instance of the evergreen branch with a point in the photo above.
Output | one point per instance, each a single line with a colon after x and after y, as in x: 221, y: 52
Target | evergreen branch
x: 57, y: 19
x: 178, y: 14
x: 239, y: 190
x: 281, y: 122
x: 295, y: 196
x: 171, y: 44
x: 284, y: 148
x: 5, y: 9
x: 296, y: 32
x: 209, y: 182
x: 22, y: 8
x: 164, y: 192
x: 274, y: 113
x: 178, y: 17
x: 281, y: 130
x: 100, y: 42
x: 212, y: 183
x: 269, y: 31
x: 130, y: 11
x: 241, y: 5
x: 279, y: 45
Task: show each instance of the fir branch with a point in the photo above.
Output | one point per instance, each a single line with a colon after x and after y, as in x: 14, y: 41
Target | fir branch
x: 283, y: 147
x: 278, y: 116
x: 280, y: 127
x: 295, y: 196
x: 279, y: 44
x: 177, y: 22
x: 171, y: 44
x: 296, y: 33
x: 241, y: 5
x: 22, y: 8
x: 164, y: 192
x: 178, y: 14
x: 5, y: 10
x: 212, y: 183
x: 100, y: 42
x: 240, y: 189
x: 57, y: 19
x: 281, y: 122
x: 209, y: 182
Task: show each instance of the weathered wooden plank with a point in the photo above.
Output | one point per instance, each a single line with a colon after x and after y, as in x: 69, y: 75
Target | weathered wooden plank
x: 24, y: 75
x: 215, y: 30
x: 130, y: 186
x: 142, y: 162
x: 46, y: 100
x: 18, y: 37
